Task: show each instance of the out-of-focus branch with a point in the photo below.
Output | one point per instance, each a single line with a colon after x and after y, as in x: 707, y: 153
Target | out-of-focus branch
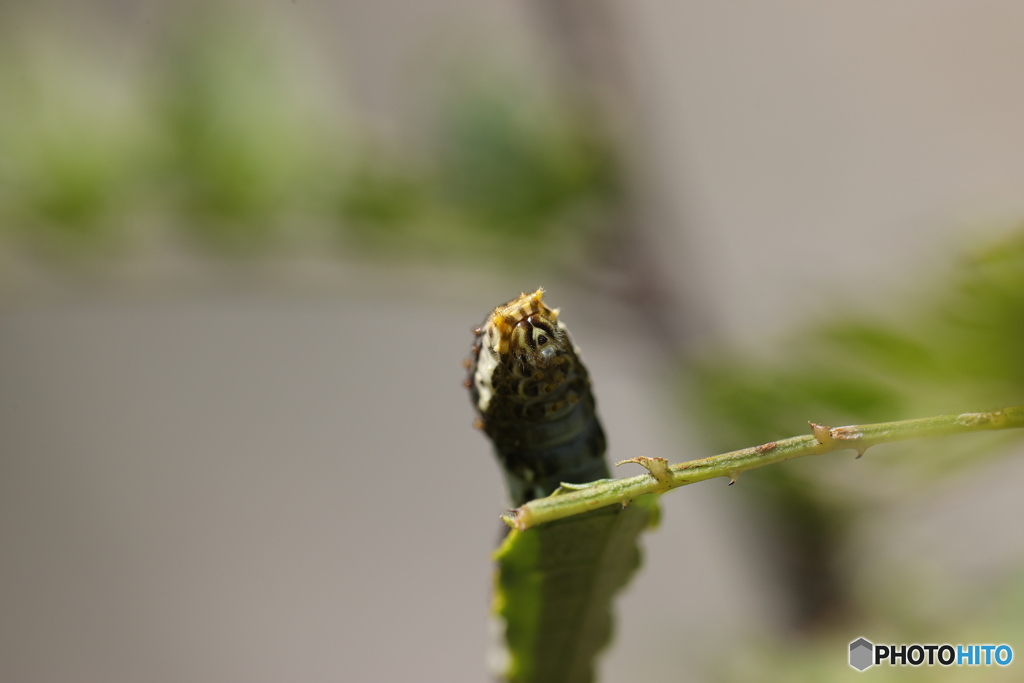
x: 586, y: 37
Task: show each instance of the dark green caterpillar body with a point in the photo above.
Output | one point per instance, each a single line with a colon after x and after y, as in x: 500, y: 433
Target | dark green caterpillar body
x: 534, y: 399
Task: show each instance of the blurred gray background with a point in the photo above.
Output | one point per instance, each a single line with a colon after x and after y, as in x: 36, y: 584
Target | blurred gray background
x: 243, y: 246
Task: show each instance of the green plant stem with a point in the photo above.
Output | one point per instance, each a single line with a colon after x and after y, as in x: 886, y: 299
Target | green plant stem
x: 662, y: 477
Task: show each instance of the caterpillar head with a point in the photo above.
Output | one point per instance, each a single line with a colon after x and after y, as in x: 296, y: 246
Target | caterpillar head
x: 525, y: 333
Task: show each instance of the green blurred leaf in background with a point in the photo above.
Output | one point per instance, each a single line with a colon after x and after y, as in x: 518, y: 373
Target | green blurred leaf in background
x: 247, y: 151
x: 74, y: 143
x: 956, y: 345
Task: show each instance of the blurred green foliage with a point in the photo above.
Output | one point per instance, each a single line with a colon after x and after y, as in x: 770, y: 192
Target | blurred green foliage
x: 956, y: 347
x: 69, y: 154
x: 381, y: 195
x: 216, y: 133
x: 515, y: 163
x: 243, y: 151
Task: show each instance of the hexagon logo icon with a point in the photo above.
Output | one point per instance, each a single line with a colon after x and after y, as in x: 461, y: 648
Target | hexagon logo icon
x: 861, y: 654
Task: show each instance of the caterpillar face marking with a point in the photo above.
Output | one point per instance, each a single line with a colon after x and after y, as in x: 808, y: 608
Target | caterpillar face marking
x: 534, y: 399
x: 535, y: 342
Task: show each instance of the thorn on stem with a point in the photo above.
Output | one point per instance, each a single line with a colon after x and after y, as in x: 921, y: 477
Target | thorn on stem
x: 518, y: 519
x: 658, y: 467
x: 821, y: 433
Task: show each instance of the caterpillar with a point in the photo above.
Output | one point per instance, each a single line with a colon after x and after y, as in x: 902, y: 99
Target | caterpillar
x: 534, y: 399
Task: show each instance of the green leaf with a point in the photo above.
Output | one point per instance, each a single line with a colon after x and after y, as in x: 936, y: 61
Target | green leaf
x: 555, y: 586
